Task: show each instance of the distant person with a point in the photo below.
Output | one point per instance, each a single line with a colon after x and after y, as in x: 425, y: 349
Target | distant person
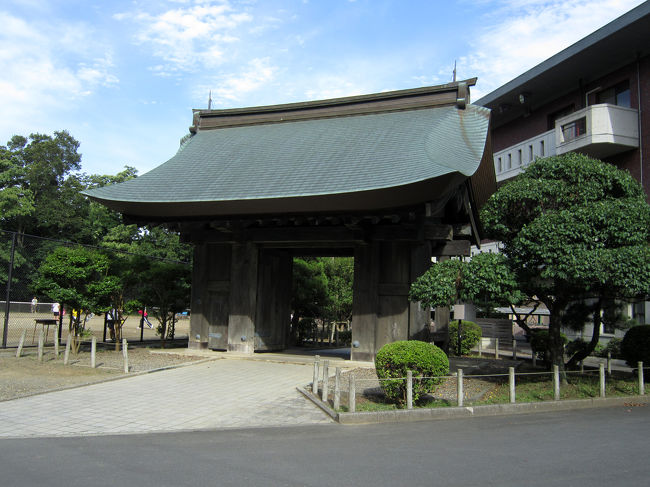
x: 34, y: 304
x: 55, y: 310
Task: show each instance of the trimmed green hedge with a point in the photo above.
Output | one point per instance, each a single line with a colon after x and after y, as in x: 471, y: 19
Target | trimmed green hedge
x: 423, y: 359
x: 635, y: 346
x: 471, y: 333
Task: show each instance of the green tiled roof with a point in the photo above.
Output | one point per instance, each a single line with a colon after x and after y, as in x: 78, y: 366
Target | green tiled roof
x: 305, y: 158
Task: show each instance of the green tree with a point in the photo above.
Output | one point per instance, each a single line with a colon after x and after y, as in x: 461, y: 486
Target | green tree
x: 164, y: 288
x: 79, y: 279
x: 573, y: 228
x: 485, y: 280
x: 309, y: 292
x: 340, y: 274
x: 33, y: 171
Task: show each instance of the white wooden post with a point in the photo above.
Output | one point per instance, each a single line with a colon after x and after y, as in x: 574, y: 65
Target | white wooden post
x: 480, y: 347
x: 326, y: 366
x: 41, y: 342
x: 21, y: 343
x: 337, y: 389
x: 66, y: 354
x: 459, y: 386
x: 641, y: 383
x: 125, y: 354
x: 556, y: 383
x: 314, y: 384
x: 601, y: 373
x: 511, y: 374
x: 56, y: 341
x: 352, y: 396
x: 93, y: 352
x: 496, y: 348
x: 409, y: 389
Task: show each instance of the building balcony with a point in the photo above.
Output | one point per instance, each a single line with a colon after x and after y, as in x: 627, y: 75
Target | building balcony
x: 598, y: 130
x: 509, y: 162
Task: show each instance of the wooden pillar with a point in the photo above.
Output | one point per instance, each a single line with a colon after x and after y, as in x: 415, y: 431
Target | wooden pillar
x: 394, y: 284
x: 365, y: 301
x: 273, y: 314
x: 243, y: 297
x: 210, y: 296
x: 382, y: 313
x: 419, y: 317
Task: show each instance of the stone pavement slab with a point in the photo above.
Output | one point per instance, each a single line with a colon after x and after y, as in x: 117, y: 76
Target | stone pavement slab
x: 209, y: 395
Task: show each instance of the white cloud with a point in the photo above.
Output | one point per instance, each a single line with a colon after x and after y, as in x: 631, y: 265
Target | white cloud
x: 195, y: 35
x: 44, y: 67
x: 232, y: 88
x: 522, y: 33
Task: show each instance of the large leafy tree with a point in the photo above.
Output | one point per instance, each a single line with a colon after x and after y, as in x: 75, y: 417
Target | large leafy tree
x: 79, y: 278
x: 33, y: 172
x: 573, y: 229
x: 485, y: 280
x: 340, y: 274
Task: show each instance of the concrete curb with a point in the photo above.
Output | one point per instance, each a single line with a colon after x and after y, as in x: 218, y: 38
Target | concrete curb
x: 410, y: 415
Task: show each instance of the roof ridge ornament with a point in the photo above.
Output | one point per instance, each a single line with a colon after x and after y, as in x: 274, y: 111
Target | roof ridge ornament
x: 462, y: 98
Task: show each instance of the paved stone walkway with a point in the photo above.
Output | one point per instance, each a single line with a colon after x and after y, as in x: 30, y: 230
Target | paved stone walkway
x: 215, y: 394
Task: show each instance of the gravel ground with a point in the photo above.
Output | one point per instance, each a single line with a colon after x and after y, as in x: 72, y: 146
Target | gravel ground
x: 26, y: 376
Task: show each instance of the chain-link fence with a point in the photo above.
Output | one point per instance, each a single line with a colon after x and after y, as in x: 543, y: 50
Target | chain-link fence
x: 26, y: 308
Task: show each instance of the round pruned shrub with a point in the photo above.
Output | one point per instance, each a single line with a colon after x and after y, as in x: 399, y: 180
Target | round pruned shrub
x: 539, y: 343
x: 470, y: 334
x: 635, y: 346
x: 427, y: 362
x: 613, y: 347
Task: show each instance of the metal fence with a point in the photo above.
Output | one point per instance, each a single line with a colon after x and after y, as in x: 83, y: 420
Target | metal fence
x: 23, y: 309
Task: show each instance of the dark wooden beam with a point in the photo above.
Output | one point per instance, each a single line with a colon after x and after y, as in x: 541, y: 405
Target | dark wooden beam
x: 452, y: 248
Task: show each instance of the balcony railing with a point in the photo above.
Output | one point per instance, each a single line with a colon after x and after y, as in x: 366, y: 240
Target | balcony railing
x: 509, y: 162
x: 598, y: 130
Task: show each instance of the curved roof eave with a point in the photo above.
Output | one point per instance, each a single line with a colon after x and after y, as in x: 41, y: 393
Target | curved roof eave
x: 334, y: 161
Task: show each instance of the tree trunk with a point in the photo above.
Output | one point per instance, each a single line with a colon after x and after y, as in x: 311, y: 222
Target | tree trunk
x: 555, y: 343
x: 595, y: 337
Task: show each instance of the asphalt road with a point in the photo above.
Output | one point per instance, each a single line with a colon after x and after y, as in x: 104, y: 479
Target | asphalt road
x: 598, y: 447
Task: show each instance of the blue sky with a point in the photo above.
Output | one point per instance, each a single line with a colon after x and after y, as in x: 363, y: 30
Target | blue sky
x: 123, y: 76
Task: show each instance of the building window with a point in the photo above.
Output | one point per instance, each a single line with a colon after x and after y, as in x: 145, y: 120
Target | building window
x: 509, y: 161
x: 541, y: 148
x: 559, y: 114
x: 574, y: 129
x: 519, y: 160
x: 616, y: 95
x: 638, y: 312
x: 499, y: 165
x: 530, y: 153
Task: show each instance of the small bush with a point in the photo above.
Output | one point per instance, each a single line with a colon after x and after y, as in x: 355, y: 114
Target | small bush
x: 424, y: 359
x: 635, y: 346
x: 575, y: 346
x: 471, y: 333
x: 539, y: 343
x: 613, y: 347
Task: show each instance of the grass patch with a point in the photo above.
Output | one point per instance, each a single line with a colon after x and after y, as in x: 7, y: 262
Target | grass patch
x: 540, y: 388
x: 529, y: 388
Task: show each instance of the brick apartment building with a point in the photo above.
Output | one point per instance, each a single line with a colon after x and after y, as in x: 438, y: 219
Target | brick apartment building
x: 593, y: 97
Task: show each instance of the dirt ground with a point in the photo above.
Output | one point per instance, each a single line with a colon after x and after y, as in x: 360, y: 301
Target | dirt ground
x: 26, y: 376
